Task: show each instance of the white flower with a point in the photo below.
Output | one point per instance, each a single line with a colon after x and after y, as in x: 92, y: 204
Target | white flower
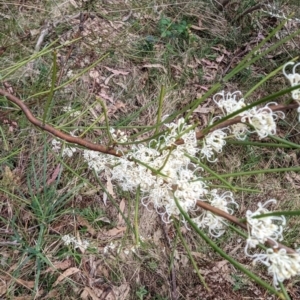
x: 56, y: 145
x: 262, y: 229
x: 263, y: 120
x: 69, y: 239
x: 98, y: 161
x: 73, y: 113
x: 228, y: 103
x: 213, y: 143
x: 214, y: 223
x: 280, y: 264
x: 294, y: 79
x: 68, y: 151
x: 118, y: 136
x: 239, y: 130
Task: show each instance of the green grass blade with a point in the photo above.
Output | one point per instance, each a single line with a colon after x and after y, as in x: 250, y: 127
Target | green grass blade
x: 53, y: 82
x: 247, y: 173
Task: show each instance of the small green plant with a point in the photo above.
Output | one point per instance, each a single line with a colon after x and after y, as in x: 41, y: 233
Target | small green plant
x: 141, y: 292
x: 238, y: 282
x: 170, y: 29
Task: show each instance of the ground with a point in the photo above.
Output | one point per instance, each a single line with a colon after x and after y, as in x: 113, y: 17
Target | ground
x: 115, y: 62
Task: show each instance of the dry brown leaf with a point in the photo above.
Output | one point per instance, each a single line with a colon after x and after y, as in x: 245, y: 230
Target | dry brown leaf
x: 105, y: 198
x: 122, y: 208
x: 116, y: 72
x: 115, y: 231
x: 109, y: 186
x: 198, y: 28
x: 94, y: 74
x: 27, y: 284
x: 119, y: 105
x: 3, y: 288
x: 60, y: 265
x: 54, y: 174
x: 66, y: 274
x: 85, y: 223
x: 121, y: 291
x: 204, y: 110
x: 108, y: 79
x: 88, y: 292
x: 106, y: 97
x: 220, y: 58
x: 52, y: 294
x: 157, y: 66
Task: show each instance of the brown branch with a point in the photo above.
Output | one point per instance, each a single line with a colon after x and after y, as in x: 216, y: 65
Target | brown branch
x: 202, y: 133
x: 107, y: 150
x: 236, y: 221
x: 56, y: 132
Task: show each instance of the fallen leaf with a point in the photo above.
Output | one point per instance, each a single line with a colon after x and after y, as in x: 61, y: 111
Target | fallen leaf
x: 66, y: 274
x: 85, y: 223
x: 122, y: 208
x: 54, y: 174
x: 203, y: 110
x: 27, y: 284
x: 105, y: 198
x: 115, y: 231
x: 3, y: 288
x: 94, y: 74
x: 108, y: 79
x: 116, y: 72
x: 109, y: 186
x: 103, y: 219
x: 220, y: 58
x: 158, y: 66
x: 106, y: 97
x: 60, y: 265
x: 88, y: 292
x: 122, y: 291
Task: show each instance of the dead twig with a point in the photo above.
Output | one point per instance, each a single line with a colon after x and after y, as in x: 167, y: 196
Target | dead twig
x: 56, y: 132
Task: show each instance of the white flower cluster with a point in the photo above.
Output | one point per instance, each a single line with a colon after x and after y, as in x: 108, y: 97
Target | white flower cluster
x: 118, y: 136
x: 262, y: 229
x: 214, y: 223
x: 73, y: 113
x: 213, y: 143
x: 67, y: 151
x: 262, y: 119
x: 294, y: 79
x: 163, y: 170
x: 281, y: 265
x: 69, y: 239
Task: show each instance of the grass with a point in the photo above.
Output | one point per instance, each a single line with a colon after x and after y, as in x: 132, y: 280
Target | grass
x: 186, y: 49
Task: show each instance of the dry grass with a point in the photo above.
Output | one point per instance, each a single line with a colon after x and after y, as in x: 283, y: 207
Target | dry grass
x: 34, y: 214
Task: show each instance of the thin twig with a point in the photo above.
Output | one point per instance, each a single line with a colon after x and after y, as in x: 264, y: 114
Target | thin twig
x: 56, y: 132
x: 221, y: 4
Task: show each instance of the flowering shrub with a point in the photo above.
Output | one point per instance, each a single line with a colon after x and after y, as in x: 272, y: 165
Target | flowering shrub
x: 164, y: 169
